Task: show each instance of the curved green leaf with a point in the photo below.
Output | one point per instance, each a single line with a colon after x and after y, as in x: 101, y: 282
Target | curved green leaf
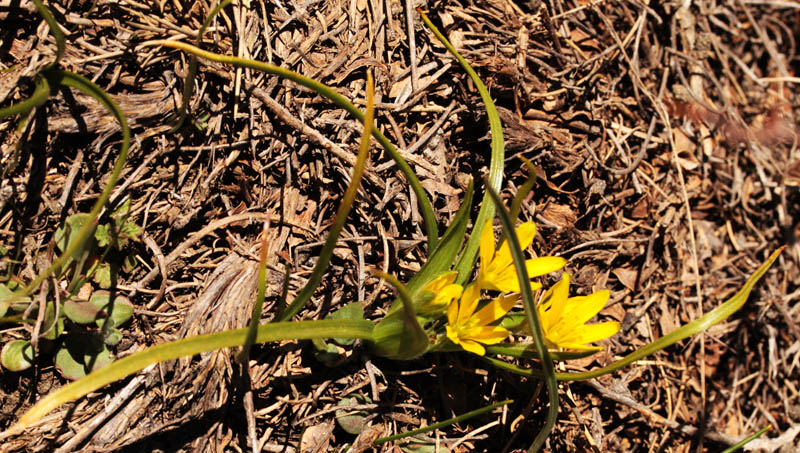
x: 399, y: 335
x: 711, y: 318
x: 533, y: 320
x: 341, y: 214
x: 80, y: 83
x: 300, y: 330
x: 17, y: 355
x: 55, y: 30
x: 188, y: 81
x: 41, y: 92
x: 466, y: 261
x: 428, y: 215
x: 443, y: 424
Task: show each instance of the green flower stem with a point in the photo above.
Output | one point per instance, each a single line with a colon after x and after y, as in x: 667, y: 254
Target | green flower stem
x: 466, y: 261
x: 533, y: 320
x: 301, y: 330
x: 443, y: 424
x: 711, y: 318
x: 429, y: 217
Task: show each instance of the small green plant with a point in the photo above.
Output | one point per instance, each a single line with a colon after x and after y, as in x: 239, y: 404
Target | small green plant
x: 85, y: 322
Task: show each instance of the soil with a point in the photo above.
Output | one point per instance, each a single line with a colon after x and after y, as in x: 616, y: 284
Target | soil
x: 665, y: 140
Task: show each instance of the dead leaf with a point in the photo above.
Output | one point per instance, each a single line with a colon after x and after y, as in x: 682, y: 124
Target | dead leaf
x: 561, y: 215
x: 626, y: 276
x: 317, y: 438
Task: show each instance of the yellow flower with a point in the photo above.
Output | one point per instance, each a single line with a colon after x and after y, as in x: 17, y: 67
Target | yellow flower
x: 563, y: 318
x: 440, y: 293
x: 497, y: 268
x: 472, y: 330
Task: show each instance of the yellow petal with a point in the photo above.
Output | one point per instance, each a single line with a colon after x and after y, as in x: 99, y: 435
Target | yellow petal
x: 552, y: 307
x: 468, y: 304
x: 473, y: 347
x: 525, y: 233
x: 583, y: 308
x: 441, y: 282
x: 589, y: 333
x: 495, y: 310
x: 540, y: 266
x: 488, y: 334
x: 452, y: 315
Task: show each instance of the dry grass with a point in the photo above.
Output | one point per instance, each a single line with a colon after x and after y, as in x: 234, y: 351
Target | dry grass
x: 666, y: 143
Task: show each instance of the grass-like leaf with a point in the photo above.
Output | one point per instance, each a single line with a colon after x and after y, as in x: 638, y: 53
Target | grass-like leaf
x: 711, y: 318
x: 532, y: 314
x: 72, y: 80
x: 341, y: 214
x: 55, y: 30
x: 428, y: 215
x: 191, y: 72
x: 399, y: 335
x: 301, y: 330
x: 41, y: 92
x: 442, y: 424
x: 466, y: 261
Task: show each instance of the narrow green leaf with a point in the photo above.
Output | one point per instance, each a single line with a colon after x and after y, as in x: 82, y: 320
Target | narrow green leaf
x: 80, y: 83
x: 739, y: 445
x: 445, y: 423
x: 466, y: 261
x: 341, y: 214
x: 428, y: 215
x: 442, y: 258
x: 55, y: 30
x: 188, y: 81
x: 41, y: 93
x: 533, y: 320
x: 711, y: 318
x: 300, y: 330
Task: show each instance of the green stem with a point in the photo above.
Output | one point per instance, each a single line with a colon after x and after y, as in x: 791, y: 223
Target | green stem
x: 443, y: 424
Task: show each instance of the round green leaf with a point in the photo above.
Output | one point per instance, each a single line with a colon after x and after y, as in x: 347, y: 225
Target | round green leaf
x: 121, y: 310
x: 67, y: 365
x: 81, y: 312
x: 352, y: 421
x: 69, y: 231
x: 81, y: 354
x: 113, y: 337
x: 17, y: 355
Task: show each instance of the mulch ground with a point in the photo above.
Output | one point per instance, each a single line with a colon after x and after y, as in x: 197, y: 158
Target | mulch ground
x: 665, y: 138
